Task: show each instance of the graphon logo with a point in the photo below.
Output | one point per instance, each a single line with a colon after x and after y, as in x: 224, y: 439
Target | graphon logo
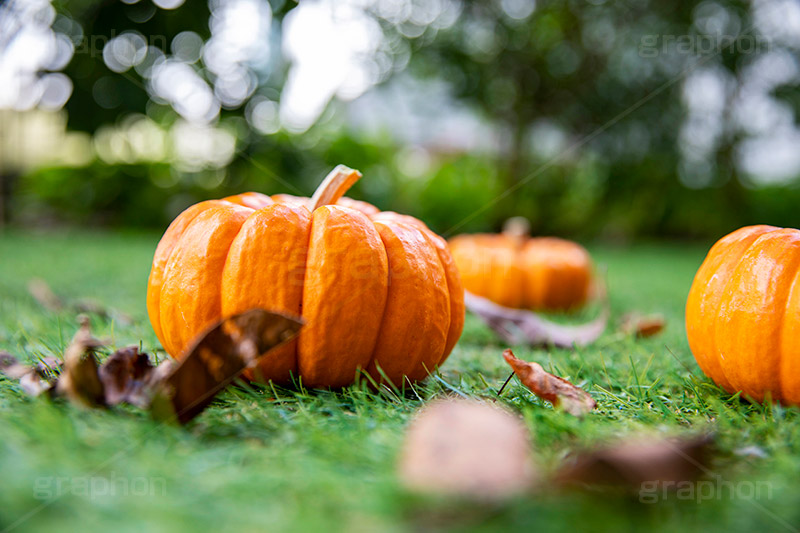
x: 704, y: 490
x: 127, y: 42
x: 654, y: 45
x: 48, y: 488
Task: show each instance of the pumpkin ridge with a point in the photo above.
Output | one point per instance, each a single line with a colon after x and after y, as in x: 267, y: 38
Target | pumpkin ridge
x: 261, y: 270
x: 155, y: 280
x: 455, y: 293
x: 724, y: 290
x: 372, y: 355
x: 445, y: 351
x: 708, y: 357
x: 789, y: 365
x: 782, y: 310
x: 333, y: 344
x: 731, y: 367
x: 175, y: 346
x: 424, y: 300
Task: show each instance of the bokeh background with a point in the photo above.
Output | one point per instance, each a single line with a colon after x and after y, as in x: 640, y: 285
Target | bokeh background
x: 594, y: 119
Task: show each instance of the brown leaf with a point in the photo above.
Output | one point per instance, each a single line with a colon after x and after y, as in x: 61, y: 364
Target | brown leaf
x: 467, y: 448
x: 11, y: 367
x: 554, y: 389
x: 79, y: 380
x: 518, y: 326
x: 33, y: 380
x: 642, y: 326
x: 125, y: 376
x: 633, y: 462
x: 171, y: 390
x: 216, y: 358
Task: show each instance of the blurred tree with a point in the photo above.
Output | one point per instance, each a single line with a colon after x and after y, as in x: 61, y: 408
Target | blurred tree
x: 563, y: 81
x: 607, y: 118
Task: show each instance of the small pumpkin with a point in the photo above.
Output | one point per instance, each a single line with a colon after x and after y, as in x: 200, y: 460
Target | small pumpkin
x: 378, y: 290
x: 743, y: 313
x: 514, y: 270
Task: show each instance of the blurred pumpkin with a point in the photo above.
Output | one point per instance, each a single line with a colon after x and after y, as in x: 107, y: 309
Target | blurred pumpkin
x: 515, y: 270
x: 743, y: 313
x: 378, y: 290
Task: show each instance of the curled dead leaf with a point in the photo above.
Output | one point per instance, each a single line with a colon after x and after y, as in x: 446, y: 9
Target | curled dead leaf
x: 172, y: 390
x: 216, y: 358
x: 519, y: 326
x: 11, y: 367
x: 79, y: 380
x: 467, y: 448
x: 635, y: 461
x: 642, y: 326
x: 125, y: 376
x: 34, y: 380
x: 554, y: 389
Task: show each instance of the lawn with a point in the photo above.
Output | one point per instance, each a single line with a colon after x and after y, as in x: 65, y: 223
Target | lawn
x: 325, y: 461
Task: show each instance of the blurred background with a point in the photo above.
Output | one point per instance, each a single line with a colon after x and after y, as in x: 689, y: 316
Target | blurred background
x: 594, y: 119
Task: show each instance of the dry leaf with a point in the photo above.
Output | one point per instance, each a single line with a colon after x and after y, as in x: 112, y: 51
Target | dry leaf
x: 467, y: 448
x: 217, y: 358
x: 554, y: 389
x: 11, y: 367
x: 79, y: 380
x: 171, y: 390
x: 125, y: 376
x: 642, y: 326
x: 33, y: 380
x: 633, y: 462
x: 518, y: 326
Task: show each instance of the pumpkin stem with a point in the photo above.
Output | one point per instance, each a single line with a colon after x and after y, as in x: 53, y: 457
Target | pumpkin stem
x: 334, y: 186
x: 518, y: 228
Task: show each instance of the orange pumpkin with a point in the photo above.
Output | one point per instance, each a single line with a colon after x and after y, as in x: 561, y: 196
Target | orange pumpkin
x: 514, y: 270
x: 743, y: 313
x: 377, y: 290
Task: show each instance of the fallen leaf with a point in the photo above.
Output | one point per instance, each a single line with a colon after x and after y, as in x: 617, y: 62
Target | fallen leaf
x: 125, y: 376
x: 79, y: 380
x: 11, y: 367
x: 171, y: 390
x: 467, y: 448
x: 554, y: 389
x: 518, y: 326
x: 216, y: 358
x: 642, y: 326
x: 635, y: 461
x: 34, y: 380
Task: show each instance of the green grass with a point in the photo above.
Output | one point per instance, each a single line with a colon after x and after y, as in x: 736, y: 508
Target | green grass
x: 322, y: 461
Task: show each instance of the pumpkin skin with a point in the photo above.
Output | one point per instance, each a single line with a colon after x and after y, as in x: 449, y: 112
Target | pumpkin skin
x: 743, y: 313
x: 378, y: 290
x: 542, y: 273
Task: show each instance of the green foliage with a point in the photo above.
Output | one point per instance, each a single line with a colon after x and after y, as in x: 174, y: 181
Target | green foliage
x: 575, y: 68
